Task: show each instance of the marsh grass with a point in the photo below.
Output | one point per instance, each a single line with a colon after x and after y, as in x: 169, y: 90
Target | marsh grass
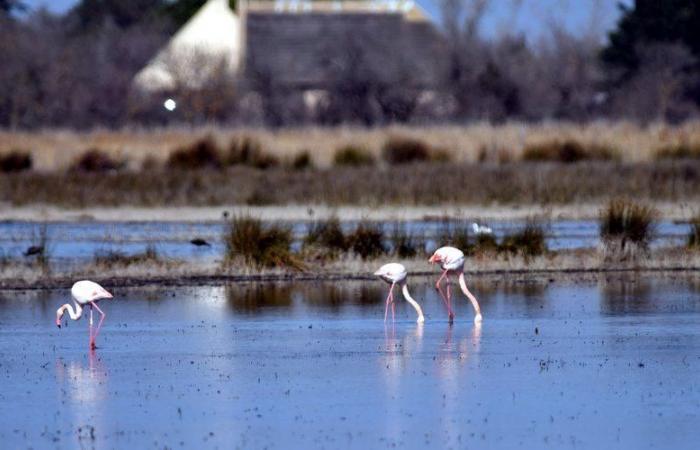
x: 403, y: 150
x: 351, y: 155
x: 326, y: 239
x: 694, y: 233
x: 627, y: 228
x: 367, y: 240
x: 96, y: 160
x: 530, y: 241
x: 15, y: 161
x: 248, y: 151
x: 112, y: 258
x: 405, y: 244
x: 302, y: 161
x: 681, y: 150
x: 456, y: 233
x: 568, y: 151
x: 260, y: 245
x: 203, y: 153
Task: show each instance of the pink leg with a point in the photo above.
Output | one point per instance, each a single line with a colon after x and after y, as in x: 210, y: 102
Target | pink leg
x: 99, y: 325
x: 437, y: 284
x: 389, y: 298
x: 451, y: 314
x: 92, y: 342
x: 393, y: 310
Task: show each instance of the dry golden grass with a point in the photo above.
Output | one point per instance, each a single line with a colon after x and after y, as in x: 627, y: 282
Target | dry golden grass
x: 57, y: 149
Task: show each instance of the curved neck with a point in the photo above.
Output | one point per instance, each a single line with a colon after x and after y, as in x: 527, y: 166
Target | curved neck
x: 74, y: 314
x: 472, y: 299
x: 409, y: 299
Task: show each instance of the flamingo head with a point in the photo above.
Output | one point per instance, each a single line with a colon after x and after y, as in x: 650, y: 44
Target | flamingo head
x: 435, y: 259
x: 59, y: 314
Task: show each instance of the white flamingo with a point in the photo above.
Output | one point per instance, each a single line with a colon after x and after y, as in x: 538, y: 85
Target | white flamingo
x: 481, y: 229
x: 84, y: 293
x: 395, y: 273
x: 451, y: 262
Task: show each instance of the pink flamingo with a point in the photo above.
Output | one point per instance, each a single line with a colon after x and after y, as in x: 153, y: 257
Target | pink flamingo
x: 451, y: 262
x: 84, y: 293
x: 395, y: 273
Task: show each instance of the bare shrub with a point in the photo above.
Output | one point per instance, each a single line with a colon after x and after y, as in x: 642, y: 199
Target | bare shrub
x: 626, y: 228
x: 351, y: 155
x: 248, y: 151
x: 259, y: 245
x: 367, y: 240
x: 15, y: 161
x: 201, y: 154
x: 568, y: 151
x: 403, y: 150
x: 95, y: 160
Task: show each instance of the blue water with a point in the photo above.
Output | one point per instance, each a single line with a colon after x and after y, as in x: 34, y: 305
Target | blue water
x: 606, y: 364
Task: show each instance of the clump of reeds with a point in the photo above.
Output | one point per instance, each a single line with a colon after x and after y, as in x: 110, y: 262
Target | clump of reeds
x: 302, y: 161
x: 367, y: 240
x: 113, y: 258
x: 351, y: 155
x: 567, y: 151
x: 457, y: 234
x: 529, y: 241
x: 201, y: 154
x: 95, y: 160
x: 694, y: 233
x: 15, y: 161
x: 327, y: 237
x: 626, y: 228
x: 248, y: 151
x: 259, y: 245
x: 402, y: 150
x: 681, y: 150
x: 405, y: 244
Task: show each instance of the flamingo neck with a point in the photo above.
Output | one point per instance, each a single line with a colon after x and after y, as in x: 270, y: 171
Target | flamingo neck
x: 470, y: 296
x: 74, y: 314
x: 409, y: 299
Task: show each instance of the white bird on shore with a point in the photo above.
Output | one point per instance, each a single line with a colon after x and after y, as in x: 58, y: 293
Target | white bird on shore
x: 395, y: 273
x: 84, y: 293
x: 451, y: 262
x: 481, y: 229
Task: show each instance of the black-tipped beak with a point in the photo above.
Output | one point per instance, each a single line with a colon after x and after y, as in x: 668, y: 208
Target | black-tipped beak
x: 58, y: 325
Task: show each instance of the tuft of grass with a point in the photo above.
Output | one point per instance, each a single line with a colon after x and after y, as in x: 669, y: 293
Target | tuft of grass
x: 113, y: 258
x: 259, y: 245
x: 15, y: 161
x: 248, y: 151
x: 626, y: 226
x: 405, y: 244
x: 529, y: 241
x: 201, y: 154
x: 682, y: 150
x: 456, y: 234
x: 302, y: 161
x: 567, y: 151
x: 351, y: 155
x: 328, y: 235
x: 402, y: 150
x: 95, y: 160
x: 694, y: 233
x: 485, y: 243
x: 367, y: 240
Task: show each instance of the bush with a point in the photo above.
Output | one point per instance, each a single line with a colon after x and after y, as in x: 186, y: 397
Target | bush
x: 302, y: 161
x: 529, y: 241
x: 327, y: 234
x: 568, y: 151
x: 694, y: 234
x: 259, y: 245
x: 95, y: 160
x: 115, y: 258
x: 456, y: 234
x: 626, y: 226
x: 399, y: 150
x: 367, y: 240
x: 352, y: 156
x: 248, y: 151
x: 678, y: 151
x: 200, y: 154
x: 405, y: 244
x: 15, y: 161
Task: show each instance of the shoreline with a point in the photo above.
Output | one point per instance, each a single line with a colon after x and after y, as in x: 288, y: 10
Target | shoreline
x: 680, y: 211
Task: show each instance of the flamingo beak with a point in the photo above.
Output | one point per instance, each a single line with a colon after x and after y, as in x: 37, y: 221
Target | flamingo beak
x: 58, y: 322
x: 108, y: 295
x: 434, y: 259
x: 378, y: 273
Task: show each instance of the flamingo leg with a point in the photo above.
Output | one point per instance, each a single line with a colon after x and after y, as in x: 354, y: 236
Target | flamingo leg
x: 451, y: 314
x: 393, y: 308
x: 92, y: 342
x: 99, y: 325
x: 437, y: 284
x: 389, y: 298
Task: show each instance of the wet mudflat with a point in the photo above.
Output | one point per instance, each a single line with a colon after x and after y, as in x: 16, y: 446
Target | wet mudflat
x: 604, y: 364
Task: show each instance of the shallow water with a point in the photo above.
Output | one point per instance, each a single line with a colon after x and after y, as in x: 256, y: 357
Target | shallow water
x: 80, y: 241
x: 610, y: 364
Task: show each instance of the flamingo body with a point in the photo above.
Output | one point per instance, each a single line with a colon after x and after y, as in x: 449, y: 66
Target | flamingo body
x: 449, y: 258
x: 395, y: 273
x: 451, y: 261
x: 84, y: 293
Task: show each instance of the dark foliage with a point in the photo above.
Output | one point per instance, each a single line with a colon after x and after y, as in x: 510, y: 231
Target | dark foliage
x: 201, y: 154
x: 367, y: 240
x: 248, y: 151
x: 95, y: 160
x: 260, y: 245
x: 351, y: 155
x: 399, y: 150
x: 15, y: 161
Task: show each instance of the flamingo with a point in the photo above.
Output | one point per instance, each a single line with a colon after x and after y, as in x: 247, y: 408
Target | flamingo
x: 84, y: 293
x: 451, y: 261
x: 395, y: 273
x: 481, y: 229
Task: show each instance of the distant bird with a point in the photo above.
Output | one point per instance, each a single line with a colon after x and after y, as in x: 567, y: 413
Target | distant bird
x: 34, y: 250
x: 199, y: 242
x: 395, y: 273
x: 481, y: 229
x: 84, y: 293
x: 451, y: 262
